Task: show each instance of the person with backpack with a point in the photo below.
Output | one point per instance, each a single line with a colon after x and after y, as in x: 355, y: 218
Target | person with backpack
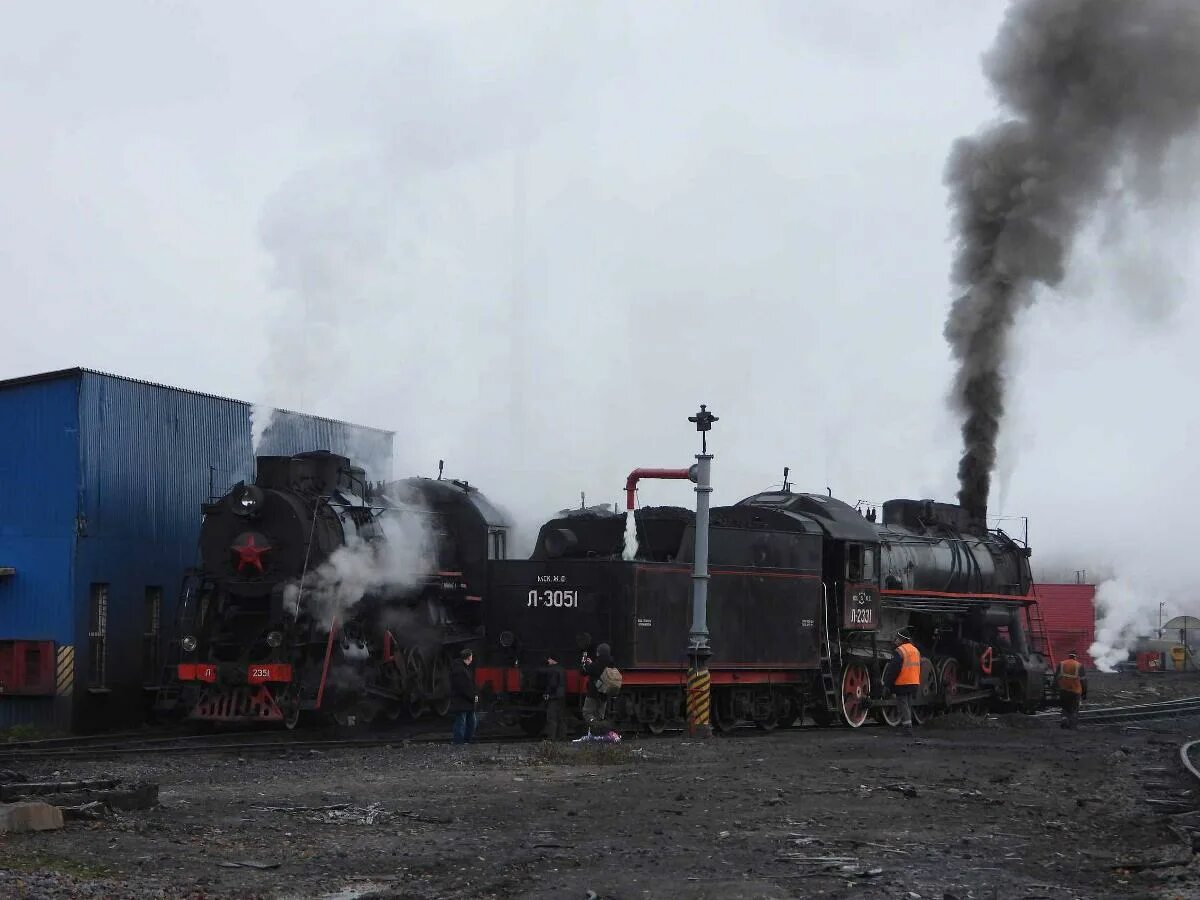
x: 603, y: 681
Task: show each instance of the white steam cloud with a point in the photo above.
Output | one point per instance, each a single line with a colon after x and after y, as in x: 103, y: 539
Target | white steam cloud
x: 1124, y: 613
x: 395, y: 564
x: 261, y: 418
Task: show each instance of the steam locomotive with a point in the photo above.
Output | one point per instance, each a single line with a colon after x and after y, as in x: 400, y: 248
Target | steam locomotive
x: 320, y: 592
x: 806, y: 594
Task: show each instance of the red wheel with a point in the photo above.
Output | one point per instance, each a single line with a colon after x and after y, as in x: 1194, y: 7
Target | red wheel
x: 856, y: 694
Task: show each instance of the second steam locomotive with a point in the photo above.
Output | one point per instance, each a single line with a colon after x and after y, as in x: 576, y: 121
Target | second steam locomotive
x: 321, y: 592
x: 805, y: 596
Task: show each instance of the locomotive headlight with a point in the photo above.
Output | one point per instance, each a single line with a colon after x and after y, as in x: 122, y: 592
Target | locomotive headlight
x: 274, y: 638
x: 249, y: 501
x: 507, y: 639
x: 188, y: 642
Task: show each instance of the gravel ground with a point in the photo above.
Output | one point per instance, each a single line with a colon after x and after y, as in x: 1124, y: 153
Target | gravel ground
x: 1008, y: 807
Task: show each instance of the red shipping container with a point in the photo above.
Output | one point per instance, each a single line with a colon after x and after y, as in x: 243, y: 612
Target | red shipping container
x: 1069, y: 611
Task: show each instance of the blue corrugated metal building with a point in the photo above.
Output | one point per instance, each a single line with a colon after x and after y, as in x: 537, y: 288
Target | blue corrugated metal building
x: 101, y: 483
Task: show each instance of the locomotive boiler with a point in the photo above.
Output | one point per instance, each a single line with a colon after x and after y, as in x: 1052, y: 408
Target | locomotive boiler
x: 319, y: 592
x: 805, y: 596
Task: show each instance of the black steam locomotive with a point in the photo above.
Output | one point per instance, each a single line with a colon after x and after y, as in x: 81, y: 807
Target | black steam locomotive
x: 320, y: 592
x: 805, y: 596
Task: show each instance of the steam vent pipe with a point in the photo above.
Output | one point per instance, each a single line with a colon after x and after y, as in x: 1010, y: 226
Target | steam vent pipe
x: 668, y: 474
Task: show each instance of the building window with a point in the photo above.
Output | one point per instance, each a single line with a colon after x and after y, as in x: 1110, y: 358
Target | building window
x: 150, y: 635
x: 98, y: 636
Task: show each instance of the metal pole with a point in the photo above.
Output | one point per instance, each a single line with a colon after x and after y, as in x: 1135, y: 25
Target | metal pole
x: 699, y: 689
x: 698, y: 637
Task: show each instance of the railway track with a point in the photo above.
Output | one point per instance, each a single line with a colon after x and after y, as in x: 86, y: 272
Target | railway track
x: 1165, y: 709
x: 236, y: 742
x: 1185, y: 756
x: 257, y: 741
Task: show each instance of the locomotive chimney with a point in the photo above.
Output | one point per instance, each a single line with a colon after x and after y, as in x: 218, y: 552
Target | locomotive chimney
x: 977, y: 515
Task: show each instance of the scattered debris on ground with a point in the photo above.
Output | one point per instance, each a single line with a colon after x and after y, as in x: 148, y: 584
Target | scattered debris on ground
x: 970, y: 809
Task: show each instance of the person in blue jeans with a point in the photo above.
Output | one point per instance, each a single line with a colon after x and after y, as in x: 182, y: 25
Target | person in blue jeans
x: 463, y: 698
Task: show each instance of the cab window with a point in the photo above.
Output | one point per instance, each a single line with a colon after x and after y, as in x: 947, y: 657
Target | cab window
x: 860, y: 562
x: 854, y: 562
x: 496, y: 548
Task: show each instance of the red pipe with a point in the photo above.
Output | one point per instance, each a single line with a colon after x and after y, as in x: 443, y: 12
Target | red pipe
x: 638, y: 474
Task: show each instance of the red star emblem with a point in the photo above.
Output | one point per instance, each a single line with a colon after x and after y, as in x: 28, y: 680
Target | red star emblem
x: 249, y: 554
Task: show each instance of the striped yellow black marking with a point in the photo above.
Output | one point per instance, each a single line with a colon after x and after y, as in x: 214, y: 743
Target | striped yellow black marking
x: 698, y: 700
x: 66, y: 671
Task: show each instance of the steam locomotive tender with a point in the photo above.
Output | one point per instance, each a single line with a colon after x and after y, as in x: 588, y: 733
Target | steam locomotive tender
x: 292, y: 613
x: 806, y: 594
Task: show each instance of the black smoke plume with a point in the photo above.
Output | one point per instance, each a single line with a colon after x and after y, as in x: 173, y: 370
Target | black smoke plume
x: 1094, y: 92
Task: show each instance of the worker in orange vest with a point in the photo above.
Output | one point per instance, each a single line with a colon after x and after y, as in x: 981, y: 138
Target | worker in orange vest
x: 1072, y: 689
x: 906, y: 663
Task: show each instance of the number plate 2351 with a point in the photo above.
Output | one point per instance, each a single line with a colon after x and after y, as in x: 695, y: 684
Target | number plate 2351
x: 553, y: 599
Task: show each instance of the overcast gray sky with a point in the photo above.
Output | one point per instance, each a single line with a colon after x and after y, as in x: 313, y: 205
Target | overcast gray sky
x: 533, y: 237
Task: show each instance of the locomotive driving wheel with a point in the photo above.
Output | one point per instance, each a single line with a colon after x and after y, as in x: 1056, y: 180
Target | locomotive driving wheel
x: 392, y: 675
x: 924, y: 708
x: 415, y: 679
x: 947, y: 677
x: 887, y: 715
x: 439, y: 685
x: 856, y: 694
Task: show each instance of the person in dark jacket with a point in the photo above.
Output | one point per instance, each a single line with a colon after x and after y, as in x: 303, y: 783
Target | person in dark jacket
x: 555, y: 699
x: 595, y: 704
x: 904, y: 674
x: 463, y: 698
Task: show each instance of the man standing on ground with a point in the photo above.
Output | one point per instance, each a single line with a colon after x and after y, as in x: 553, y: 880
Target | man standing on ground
x: 907, y: 664
x: 463, y: 698
x: 555, y: 698
x: 1072, y: 689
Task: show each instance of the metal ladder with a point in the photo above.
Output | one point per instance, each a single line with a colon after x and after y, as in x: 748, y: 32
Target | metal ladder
x: 1040, y: 641
x: 830, y: 659
x: 1037, y: 631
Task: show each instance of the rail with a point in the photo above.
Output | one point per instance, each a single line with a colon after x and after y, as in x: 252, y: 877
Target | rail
x: 1164, y: 709
x: 1185, y: 756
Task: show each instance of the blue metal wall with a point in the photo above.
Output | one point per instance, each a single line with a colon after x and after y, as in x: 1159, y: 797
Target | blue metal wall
x: 149, y: 456
x: 39, y: 477
x: 101, y: 481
